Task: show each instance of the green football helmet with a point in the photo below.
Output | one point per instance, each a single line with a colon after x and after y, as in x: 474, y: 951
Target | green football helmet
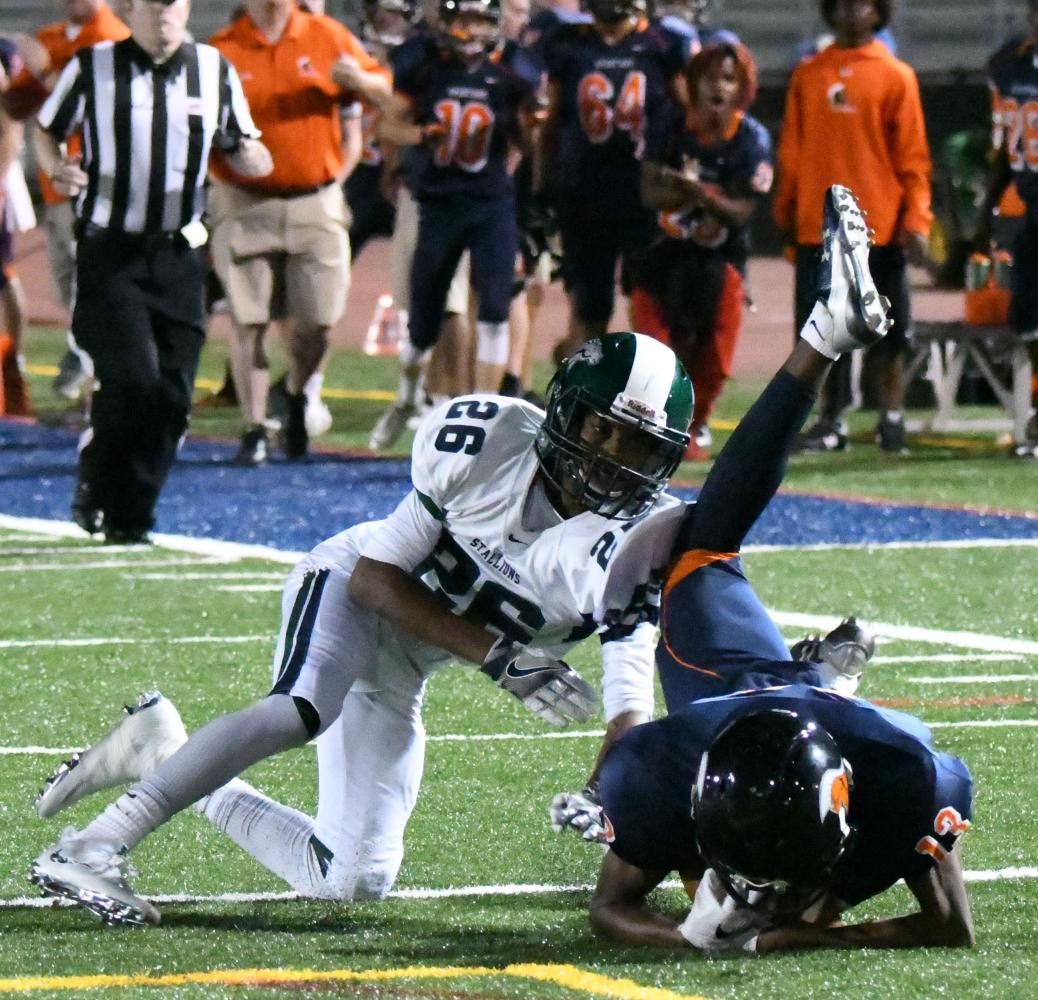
x: 617, y: 421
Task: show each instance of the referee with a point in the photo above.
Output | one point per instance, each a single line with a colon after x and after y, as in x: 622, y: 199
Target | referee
x: 150, y: 109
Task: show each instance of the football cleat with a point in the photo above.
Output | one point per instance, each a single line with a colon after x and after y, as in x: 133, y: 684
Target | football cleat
x: 390, y: 426
x: 254, y: 448
x: 826, y: 435
x: 148, y: 733
x: 850, y: 312
x: 890, y: 434
x: 844, y: 654
x: 93, y: 874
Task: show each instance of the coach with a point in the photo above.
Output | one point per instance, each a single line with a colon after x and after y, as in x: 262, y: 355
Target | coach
x: 150, y: 108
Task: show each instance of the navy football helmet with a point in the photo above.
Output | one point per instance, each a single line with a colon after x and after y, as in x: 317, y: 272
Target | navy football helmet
x: 387, y: 23
x: 771, y: 805
x: 480, y: 32
x: 616, y: 427
x: 614, y: 11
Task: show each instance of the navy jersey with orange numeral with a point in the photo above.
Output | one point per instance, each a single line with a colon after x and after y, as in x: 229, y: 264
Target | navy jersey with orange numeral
x: 608, y: 96
x: 478, y: 108
x: 909, y: 803
x: 1013, y: 77
x: 739, y: 165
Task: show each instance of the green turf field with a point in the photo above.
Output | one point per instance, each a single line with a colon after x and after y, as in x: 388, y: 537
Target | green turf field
x: 491, y: 902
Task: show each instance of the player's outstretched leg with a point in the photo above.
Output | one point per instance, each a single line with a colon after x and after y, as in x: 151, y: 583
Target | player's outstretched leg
x: 850, y: 312
x: 147, y: 734
x: 92, y: 873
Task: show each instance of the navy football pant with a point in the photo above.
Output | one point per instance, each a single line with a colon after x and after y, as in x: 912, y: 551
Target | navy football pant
x: 715, y: 631
x: 447, y: 227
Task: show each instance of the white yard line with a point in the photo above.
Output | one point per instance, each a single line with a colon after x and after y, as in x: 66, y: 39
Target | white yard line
x: 227, y: 551
x: 229, y: 575
x: 583, y: 734
x: 975, y: 679
x: 454, y: 892
x: 244, y: 588
x: 913, y: 633
x: 112, y: 641
x: 950, y: 658
x: 35, y: 567
x: 955, y: 543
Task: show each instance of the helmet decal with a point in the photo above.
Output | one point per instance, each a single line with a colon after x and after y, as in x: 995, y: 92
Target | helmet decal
x: 834, y: 796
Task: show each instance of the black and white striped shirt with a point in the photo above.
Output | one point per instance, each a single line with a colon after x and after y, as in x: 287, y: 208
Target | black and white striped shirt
x: 147, y: 130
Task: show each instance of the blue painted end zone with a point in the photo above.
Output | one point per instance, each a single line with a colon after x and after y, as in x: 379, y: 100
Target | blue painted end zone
x: 295, y: 505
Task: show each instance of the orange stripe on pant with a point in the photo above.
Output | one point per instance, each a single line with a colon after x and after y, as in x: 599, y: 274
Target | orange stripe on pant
x: 686, y: 564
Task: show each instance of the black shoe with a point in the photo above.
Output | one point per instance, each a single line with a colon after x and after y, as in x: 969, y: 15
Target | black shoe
x: 253, y: 450
x: 85, y: 510
x: 847, y: 648
x: 294, y: 439
x: 72, y: 377
x: 890, y: 435
x: 277, y: 402
x: 826, y: 435
x: 510, y: 385
x: 126, y: 536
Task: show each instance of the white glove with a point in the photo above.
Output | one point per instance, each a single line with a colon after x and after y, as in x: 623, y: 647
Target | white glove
x: 546, y: 686
x: 580, y: 811
x: 718, y: 922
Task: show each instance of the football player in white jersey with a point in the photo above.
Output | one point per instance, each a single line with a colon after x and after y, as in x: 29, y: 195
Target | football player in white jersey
x: 524, y: 533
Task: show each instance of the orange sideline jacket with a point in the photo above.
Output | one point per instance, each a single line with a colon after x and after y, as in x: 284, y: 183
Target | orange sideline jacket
x: 26, y: 94
x: 854, y: 117
x: 292, y: 97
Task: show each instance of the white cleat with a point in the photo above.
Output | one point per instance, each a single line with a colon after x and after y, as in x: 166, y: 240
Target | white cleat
x: 318, y: 418
x: 93, y: 874
x: 148, y: 733
x: 390, y: 426
x: 850, y: 312
x: 841, y: 657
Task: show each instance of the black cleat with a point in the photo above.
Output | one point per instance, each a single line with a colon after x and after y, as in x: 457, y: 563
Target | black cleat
x: 253, y: 450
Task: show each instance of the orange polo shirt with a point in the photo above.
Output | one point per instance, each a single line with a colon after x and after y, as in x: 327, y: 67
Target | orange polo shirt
x: 292, y: 97
x: 854, y: 117
x: 26, y: 94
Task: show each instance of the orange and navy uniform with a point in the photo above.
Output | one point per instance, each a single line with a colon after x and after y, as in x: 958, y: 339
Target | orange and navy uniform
x: 854, y: 116
x: 293, y: 99
x: 62, y: 41
x: 688, y: 288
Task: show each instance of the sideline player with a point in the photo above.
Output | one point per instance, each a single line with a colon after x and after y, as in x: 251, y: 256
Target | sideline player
x: 461, y: 110
x: 524, y: 533
x: 1013, y: 78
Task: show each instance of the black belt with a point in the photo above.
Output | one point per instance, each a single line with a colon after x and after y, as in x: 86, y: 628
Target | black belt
x: 287, y: 193
x: 90, y: 231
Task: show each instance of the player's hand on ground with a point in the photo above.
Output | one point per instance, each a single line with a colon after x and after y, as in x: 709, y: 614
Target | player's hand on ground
x: 251, y: 159
x: 718, y: 922
x: 580, y: 811
x: 548, y: 687
x: 69, y: 178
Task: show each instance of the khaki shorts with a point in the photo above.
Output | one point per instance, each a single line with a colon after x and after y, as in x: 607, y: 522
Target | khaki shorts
x: 281, y: 257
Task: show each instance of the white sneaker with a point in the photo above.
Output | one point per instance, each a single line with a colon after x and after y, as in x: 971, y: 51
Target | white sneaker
x: 93, y: 874
x: 390, y: 426
x: 850, y: 312
x: 148, y: 733
x: 317, y: 417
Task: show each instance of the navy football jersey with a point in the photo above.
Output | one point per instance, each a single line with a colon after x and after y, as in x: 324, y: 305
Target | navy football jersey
x: 739, y: 165
x: 609, y: 95
x: 1013, y: 77
x: 478, y: 108
x: 909, y: 802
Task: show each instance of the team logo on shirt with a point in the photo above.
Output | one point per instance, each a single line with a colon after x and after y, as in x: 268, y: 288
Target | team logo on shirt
x: 305, y: 67
x: 838, y: 99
